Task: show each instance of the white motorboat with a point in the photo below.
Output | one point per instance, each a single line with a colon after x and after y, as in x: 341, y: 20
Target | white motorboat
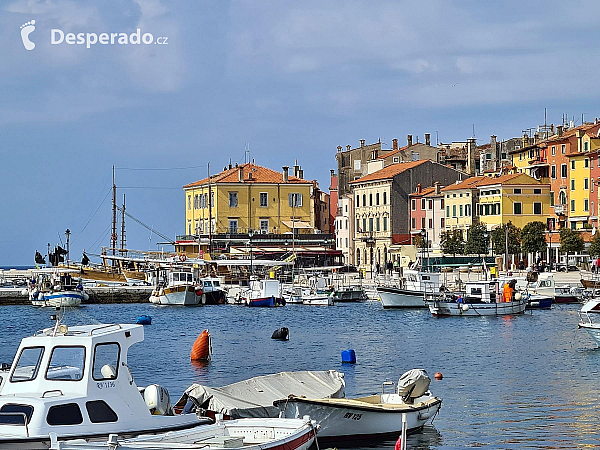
x: 213, y: 292
x: 481, y: 298
x: 293, y: 294
x: 247, y: 434
x: 75, y: 383
x: 412, y: 292
x: 369, y: 417
x: 589, y: 318
x: 56, y: 287
x: 263, y: 293
x: 317, y: 299
x: 180, y: 289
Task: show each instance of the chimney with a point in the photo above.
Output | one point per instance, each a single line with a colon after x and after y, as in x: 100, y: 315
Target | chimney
x: 241, y: 174
x: 552, y: 128
x: 559, y: 130
x: 536, y: 137
x: 236, y: 165
x: 296, y: 168
x: 332, y: 172
x: 436, y: 186
x: 230, y: 164
x: 285, y: 173
x: 427, y: 139
x: 249, y: 176
x: 579, y: 134
x: 471, y: 156
x: 409, y: 140
x: 362, y: 142
x: 339, y: 148
x: 301, y: 174
x: 418, y: 188
x: 525, y: 142
x: 348, y: 147
x: 394, y: 144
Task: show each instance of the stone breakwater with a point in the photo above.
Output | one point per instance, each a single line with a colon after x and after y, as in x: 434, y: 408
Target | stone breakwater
x: 98, y: 294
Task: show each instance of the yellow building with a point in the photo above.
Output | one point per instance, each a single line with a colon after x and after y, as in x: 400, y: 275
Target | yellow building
x: 249, y: 197
x: 579, y: 189
x: 516, y: 198
x: 460, y: 200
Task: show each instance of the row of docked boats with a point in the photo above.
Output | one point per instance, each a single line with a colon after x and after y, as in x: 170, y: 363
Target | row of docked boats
x: 72, y: 388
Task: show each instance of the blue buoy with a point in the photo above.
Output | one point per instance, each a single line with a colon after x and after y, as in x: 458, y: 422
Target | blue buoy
x: 144, y: 320
x: 348, y: 356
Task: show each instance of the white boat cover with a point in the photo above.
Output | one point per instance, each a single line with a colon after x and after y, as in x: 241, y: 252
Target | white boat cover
x: 254, y: 397
x: 413, y: 384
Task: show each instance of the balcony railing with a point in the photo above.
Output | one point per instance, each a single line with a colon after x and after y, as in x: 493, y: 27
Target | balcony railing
x: 559, y: 210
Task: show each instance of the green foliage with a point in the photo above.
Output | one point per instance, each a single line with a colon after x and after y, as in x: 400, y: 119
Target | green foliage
x: 570, y: 241
x: 477, y: 242
x: 533, y: 237
x: 595, y: 246
x: 499, y: 239
x: 452, y: 242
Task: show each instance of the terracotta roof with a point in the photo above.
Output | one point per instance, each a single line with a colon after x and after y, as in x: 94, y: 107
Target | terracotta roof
x: 389, y: 171
x: 423, y: 192
x: 260, y: 175
x: 469, y: 183
x: 489, y: 181
x: 393, y: 152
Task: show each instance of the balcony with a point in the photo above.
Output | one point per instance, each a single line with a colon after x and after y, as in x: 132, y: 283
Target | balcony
x: 559, y: 210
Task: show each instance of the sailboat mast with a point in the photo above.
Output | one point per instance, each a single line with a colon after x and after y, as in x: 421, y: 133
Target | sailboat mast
x: 209, y: 213
x: 113, y: 236
x: 123, y: 239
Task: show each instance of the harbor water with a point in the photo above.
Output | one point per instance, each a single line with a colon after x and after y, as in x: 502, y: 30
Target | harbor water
x: 511, y: 382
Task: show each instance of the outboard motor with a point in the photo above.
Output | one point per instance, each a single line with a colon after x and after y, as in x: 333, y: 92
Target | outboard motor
x: 413, y: 384
x: 158, y: 401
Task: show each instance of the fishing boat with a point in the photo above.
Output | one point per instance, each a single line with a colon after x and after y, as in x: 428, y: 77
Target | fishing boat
x: 410, y: 295
x: 589, y: 318
x: 293, y: 294
x: 317, y: 299
x: 75, y: 383
x: 263, y: 293
x: 246, y: 434
x: 545, y: 285
x: 180, y: 289
x: 213, y: 292
x: 56, y: 287
x: 348, y: 294
x: 375, y: 416
x: 481, y: 298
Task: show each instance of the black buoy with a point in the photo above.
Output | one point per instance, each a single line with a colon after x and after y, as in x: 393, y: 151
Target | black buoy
x: 283, y: 334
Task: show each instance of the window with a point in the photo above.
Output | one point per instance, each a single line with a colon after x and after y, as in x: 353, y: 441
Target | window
x: 572, y: 164
x: 586, y: 184
x: 106, y: 361
x: 385, y: 198
x: 377, y: 198
x: 562, y: 197
x: 586, y: 162
x: 196, y: 201
x: 553, y: 150
x: 189, y: 227
x: 563, y: 171
x: 572, y: 205
x: 430, y: 205
x: 488, y: 156
x: 346, y: 224
x: 422, y: 222
x: 364, y: 200
x: 497, y: 208
x: 453, y: 210
x: 520, y: 156
x: 430, y: 223
x: 467, y: 210
x: 264, y: 199
x: 442, y: 204
x: 592, y: 185
x: 357, y: 201
x: 573, y: 225
x: 442, y: 222
x: 66, y: 364
x: 585, y: 147
x: 212, y: 198
x: 233, y: 200
x: 370, y: 224
x: 551, y: 198
x: 358, y: 225
x: 593, y: 211
x: 295, y: 200
x: 503, y: 155
x: 12, y: 414
x: 422, y: 204
x: 197, y: 226
x: 67, y: 414
x: 100, y: 412
x: 413, y: 205
x: 572, y: 184
x: 517, y: 208
x: 346, y: 242
x: 460, y: 210
x: 364, y: 228
x: 460, y: 195
x: 537, y: 191
x: 537, y: 208
x: 586, y: 205
x: 377, y: 228
x: 233, y: 226
x: 357, y: 164
x: 517, y: 191
x: 370, y: 199
x: 189, y: 202
x: 264, y: 225
x: 28, y: 364
x: 413, y: 223
x: 396, y: 159
x: 553, y: 172
x: 448, y: 211
x: 385, y: 224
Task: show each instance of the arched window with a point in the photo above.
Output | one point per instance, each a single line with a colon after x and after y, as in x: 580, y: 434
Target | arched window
x: 370, y: 199
x: 562, y: 197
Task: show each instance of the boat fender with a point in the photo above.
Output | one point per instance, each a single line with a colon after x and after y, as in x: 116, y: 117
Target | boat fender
x: 282, y: 334
x: 198, y: 291
x: 349, y: 356
x: 157, y: 400
x: 144, y: 320
x: 518, y: 296
x: 438, y: 376
x: 465, y: 307
x: 85, y: 296
x: 182, y: 257
x: 24, y: 292
x: 202, y: 347
x: 424, y: 415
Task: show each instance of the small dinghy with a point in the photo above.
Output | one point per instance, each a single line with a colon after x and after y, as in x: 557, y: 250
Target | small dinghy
x: 376, y: 416
x: 589, y: 319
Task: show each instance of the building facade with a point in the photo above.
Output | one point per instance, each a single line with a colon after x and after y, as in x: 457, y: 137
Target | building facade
x: 344, y: 228
x: 461, y: 204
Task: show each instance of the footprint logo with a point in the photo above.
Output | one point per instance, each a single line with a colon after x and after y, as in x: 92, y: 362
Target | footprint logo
x: 26, y: 30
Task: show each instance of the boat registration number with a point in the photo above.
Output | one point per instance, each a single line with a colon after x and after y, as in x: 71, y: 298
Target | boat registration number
x: 106, y: 384
x: 352, y: 416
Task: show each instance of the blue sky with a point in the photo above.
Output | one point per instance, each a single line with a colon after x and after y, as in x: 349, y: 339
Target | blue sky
x: 288, y: 79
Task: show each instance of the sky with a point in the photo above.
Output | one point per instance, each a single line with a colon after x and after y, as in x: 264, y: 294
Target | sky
x: 284, y: 80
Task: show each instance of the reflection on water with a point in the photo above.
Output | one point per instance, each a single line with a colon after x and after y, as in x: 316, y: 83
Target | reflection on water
x: 509, y: 382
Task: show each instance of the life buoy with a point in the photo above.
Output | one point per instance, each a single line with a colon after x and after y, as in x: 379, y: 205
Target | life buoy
x: 182, y: 258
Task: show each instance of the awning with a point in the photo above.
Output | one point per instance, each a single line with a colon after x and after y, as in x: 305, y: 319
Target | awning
x: 296, y: 224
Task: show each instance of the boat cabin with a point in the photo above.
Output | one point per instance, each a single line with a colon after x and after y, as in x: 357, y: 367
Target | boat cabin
x: 481, y: 291
x: 415, y: 280
x: 180, y: 277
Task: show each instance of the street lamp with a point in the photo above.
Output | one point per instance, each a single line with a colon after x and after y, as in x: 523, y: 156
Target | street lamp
x: 486, y: 235
x: 250, y: 233
x: 68, y: 234
x: 423, y: 237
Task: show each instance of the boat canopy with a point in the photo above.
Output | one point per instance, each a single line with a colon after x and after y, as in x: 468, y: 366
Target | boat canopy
x: 254, y: 397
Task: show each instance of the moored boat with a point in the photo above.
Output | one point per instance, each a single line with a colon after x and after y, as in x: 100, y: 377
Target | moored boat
x: 180, y: 289
x: 56, y: 287
x: 589, y: 318
x: 411, y: 294
x: 263, y: 293
x: 349, y: 294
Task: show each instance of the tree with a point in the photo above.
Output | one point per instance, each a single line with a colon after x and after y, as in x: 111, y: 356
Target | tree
x: 595, y: 246
x: 570, y: 241
x: 477, y: 242
x: 533, y: 237
x: 452, y: 242
x: 499, y: 239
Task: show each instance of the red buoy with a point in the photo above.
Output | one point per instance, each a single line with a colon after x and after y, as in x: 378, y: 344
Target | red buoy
x: 438, y: 376
x: 202, y: 348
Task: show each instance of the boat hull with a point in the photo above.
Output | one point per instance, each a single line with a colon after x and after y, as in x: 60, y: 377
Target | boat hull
x: 217, y: 297
x: 593, y: 330
x: 438, y: 308
x: 265, y: 301
x: 318, y: 301
x: 177, y: 295
x: 69, y: 299
x: 539, y: 302
x: 400, y: 298
x: 349, y: 295
x: 344, y: 422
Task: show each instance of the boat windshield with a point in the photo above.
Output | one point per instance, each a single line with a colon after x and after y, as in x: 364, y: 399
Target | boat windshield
x: 28, y: 364
x: 66, y: 364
